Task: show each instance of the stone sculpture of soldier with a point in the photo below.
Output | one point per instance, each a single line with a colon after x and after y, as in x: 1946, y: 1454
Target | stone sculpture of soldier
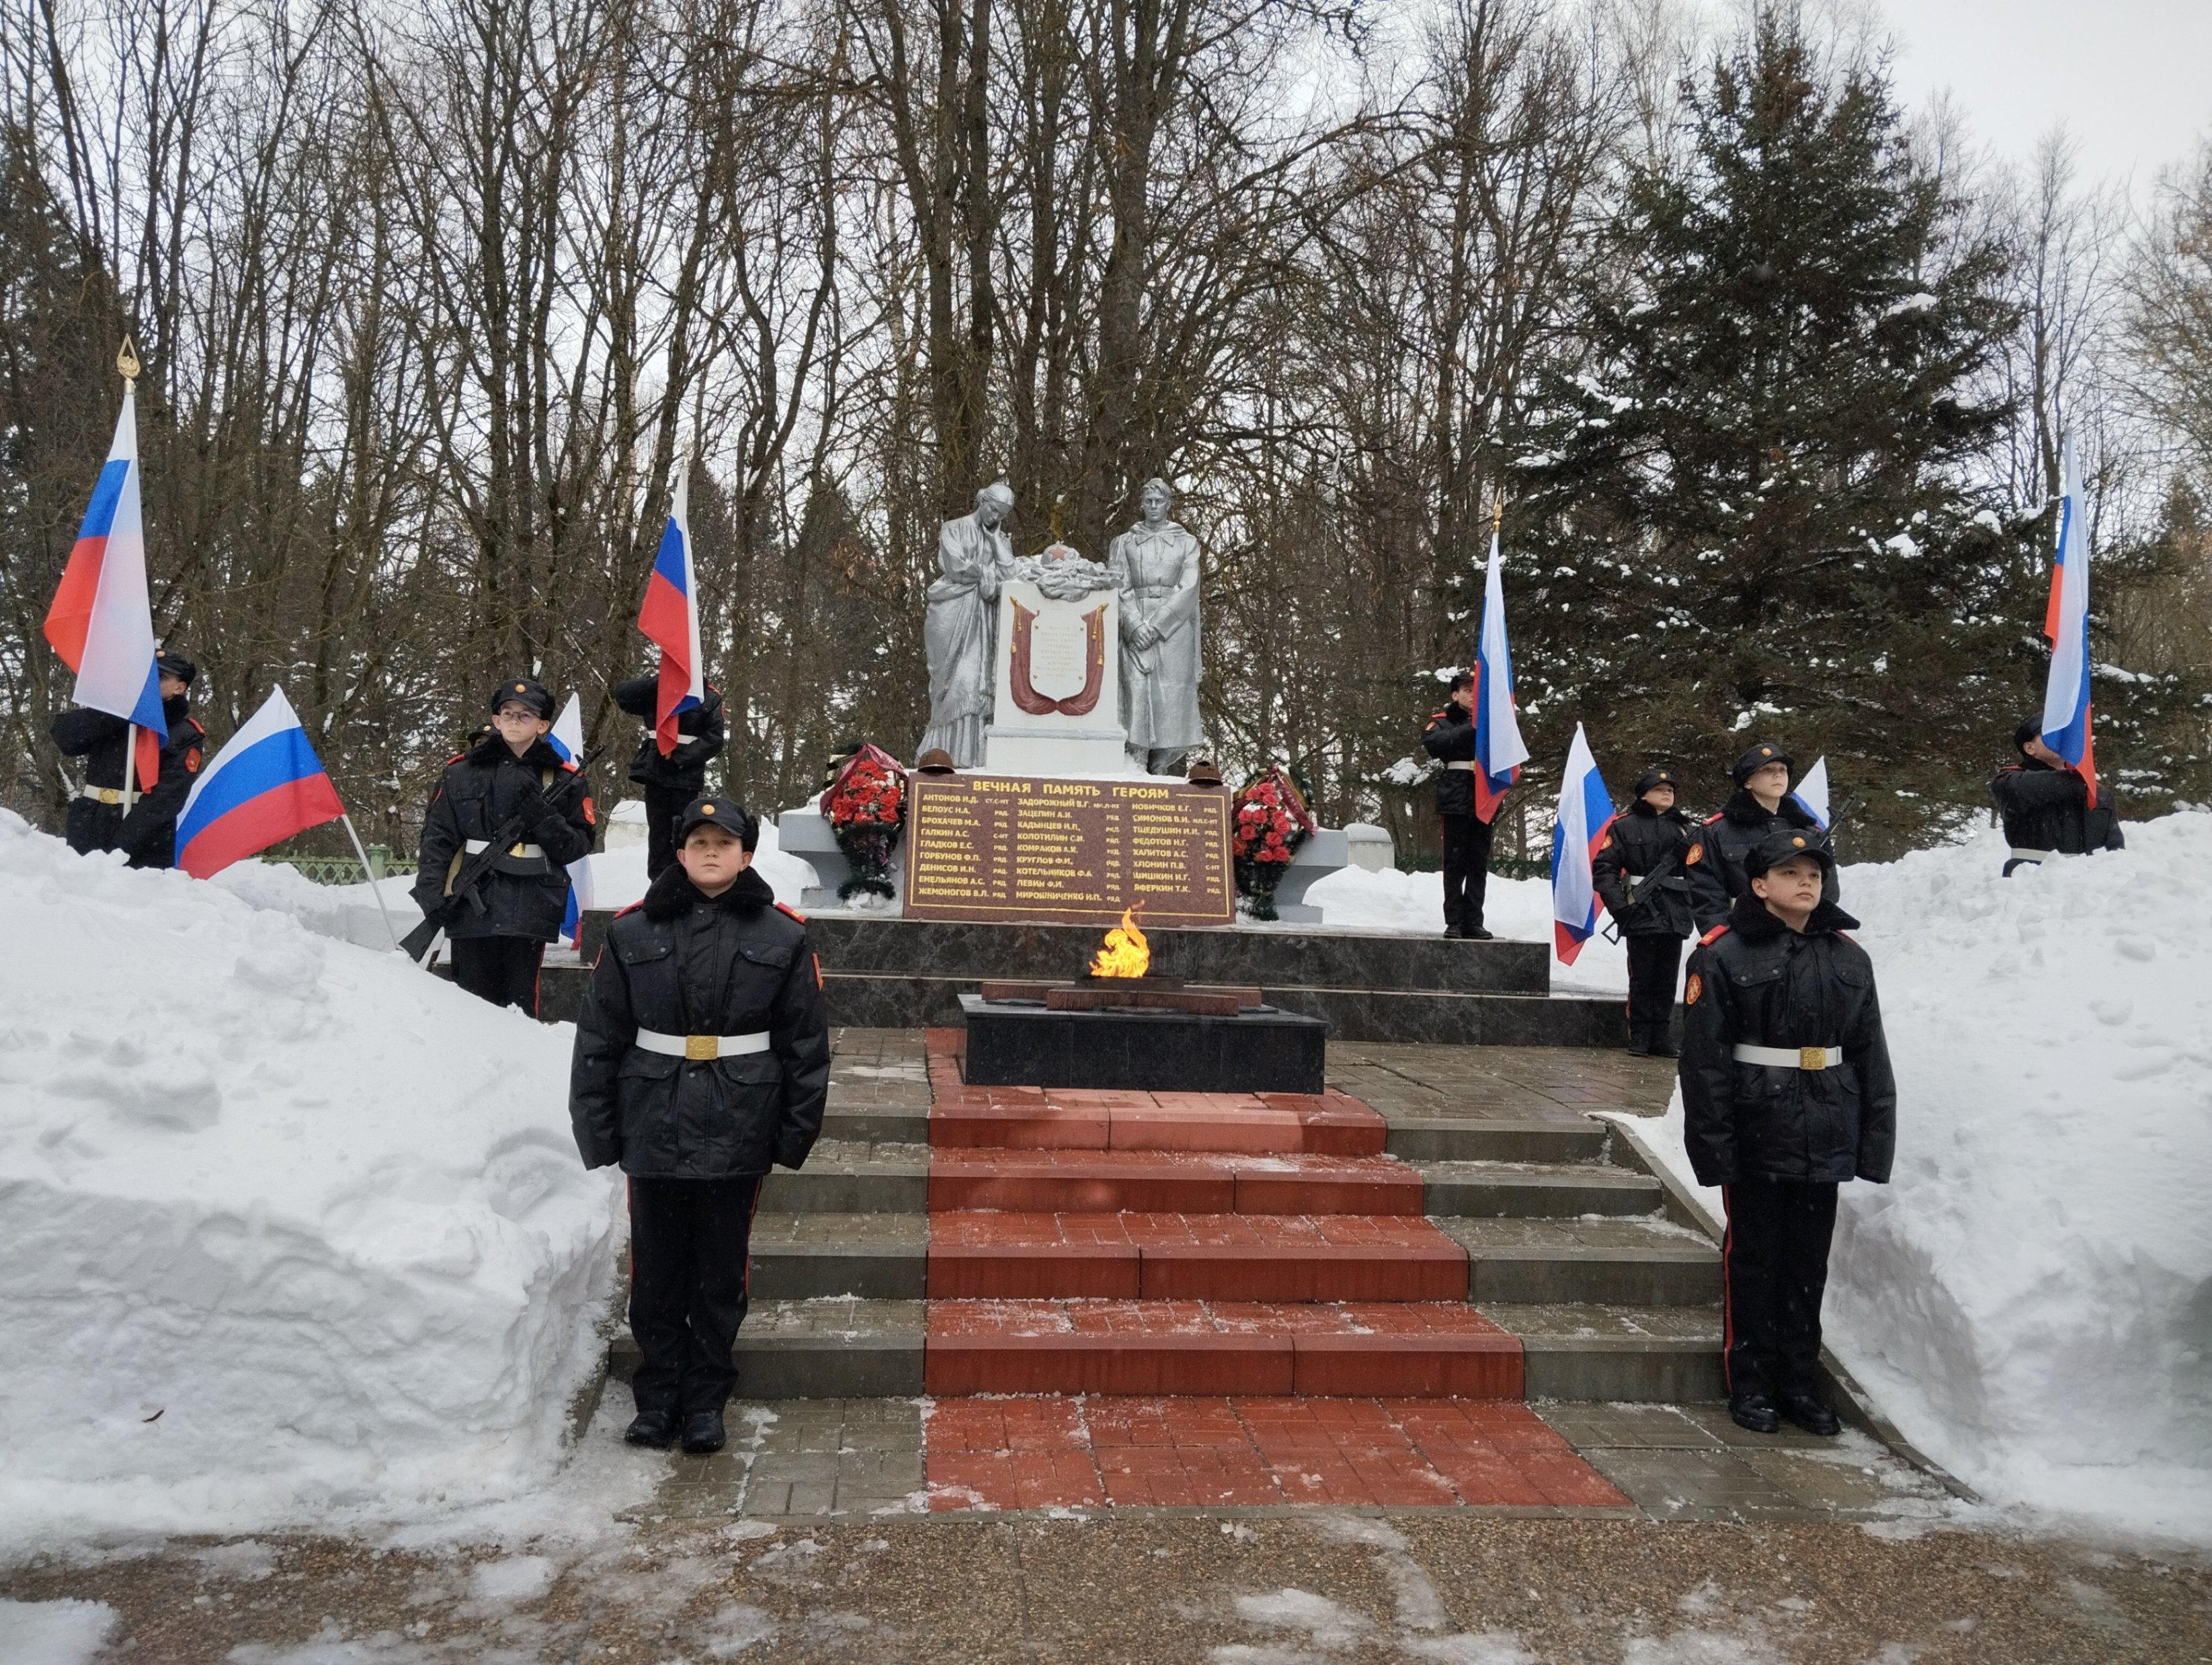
x: 962, y: 628
x: 1155, y: 569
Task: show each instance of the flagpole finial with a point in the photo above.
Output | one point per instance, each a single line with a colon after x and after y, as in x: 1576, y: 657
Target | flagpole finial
x: 126, y: 365
x: 1497, y: 515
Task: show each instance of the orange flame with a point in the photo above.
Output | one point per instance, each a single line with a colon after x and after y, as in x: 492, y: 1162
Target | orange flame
x: 1126, y: 954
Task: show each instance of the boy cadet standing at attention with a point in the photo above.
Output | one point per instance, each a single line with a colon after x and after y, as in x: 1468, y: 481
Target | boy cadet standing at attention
x: 1786, y: 1093
x: 502, y: 774
x: 674, y: 781
x: 1449, y: 738
x: 702, y: 1059
x: 1761, y: 805
x: 1638, y: 874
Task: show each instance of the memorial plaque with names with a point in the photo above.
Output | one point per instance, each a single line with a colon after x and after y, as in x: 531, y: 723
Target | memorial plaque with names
x: 1029, y: 848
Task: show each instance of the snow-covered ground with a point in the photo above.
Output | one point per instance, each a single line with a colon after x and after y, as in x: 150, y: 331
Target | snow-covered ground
x: 294, y: 1232
x: 2031, y: 1297
x: 1519, y: 910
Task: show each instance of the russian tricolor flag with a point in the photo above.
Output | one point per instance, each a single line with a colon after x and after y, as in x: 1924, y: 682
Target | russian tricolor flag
x: 2066, y: 708
x: 670, y: 618
x: 1499, y: 750
x: 1810, y: 794
x: 102, y: 623
x: 567, y: 740
x: 265, y: 785
x: 1585, y: 812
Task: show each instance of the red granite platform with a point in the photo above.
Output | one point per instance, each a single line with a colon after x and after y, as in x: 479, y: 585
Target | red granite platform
x: 1060, y: 1182
x: 1248, y: 1451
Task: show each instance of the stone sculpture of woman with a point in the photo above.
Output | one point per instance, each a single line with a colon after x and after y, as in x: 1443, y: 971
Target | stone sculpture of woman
x: 1155, y: 569
x: 962, y: 627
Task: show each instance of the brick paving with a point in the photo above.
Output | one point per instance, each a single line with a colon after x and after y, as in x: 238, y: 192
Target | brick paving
x: 995, y: 1454
x: 1411, y: 1083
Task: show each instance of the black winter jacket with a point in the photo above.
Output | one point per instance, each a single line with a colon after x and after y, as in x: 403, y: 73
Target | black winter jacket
x: 2048, y: 809
x: 1757, y: 983
x: 525, y: 895
x: 1449, y: 739
x: 1639, y: 839
x: 699, y: 734
x: 684, y: 964
x: 1716, y: 858
x: 148, y: 835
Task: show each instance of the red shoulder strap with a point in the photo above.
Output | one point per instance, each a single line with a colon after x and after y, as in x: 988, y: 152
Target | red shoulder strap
x: 1710, y: 819
x: 1712, y: 936
x: 785, y: 908
x: 632, y: 908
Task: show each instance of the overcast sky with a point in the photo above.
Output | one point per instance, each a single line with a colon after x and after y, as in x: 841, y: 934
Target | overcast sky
x: 2132, y: 79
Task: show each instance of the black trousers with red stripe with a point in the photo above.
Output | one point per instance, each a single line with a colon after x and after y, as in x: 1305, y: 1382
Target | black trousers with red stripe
x: 690, y: 1282
x: 1774, y: 1261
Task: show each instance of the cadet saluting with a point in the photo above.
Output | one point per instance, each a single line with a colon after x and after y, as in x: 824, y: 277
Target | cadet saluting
x: 703, y: 1057
x: 1638, y: 875
x: 1786, y: 1093
x: 504, y: 774
x: 96, y: 821
x: 1761, y: 805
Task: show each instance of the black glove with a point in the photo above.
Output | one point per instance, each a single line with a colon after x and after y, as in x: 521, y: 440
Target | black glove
x: 529, y: 805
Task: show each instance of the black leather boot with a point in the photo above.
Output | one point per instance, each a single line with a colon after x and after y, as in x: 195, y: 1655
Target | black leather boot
x: 1755, y: 1412
x: 654, y: 1428
x: 1811, y: 1413
x: 703, y: 1434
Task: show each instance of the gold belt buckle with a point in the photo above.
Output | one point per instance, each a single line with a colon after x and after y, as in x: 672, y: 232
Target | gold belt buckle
x: 703, y: 1047
x: 518, y: 852
x: 1812, y: 1058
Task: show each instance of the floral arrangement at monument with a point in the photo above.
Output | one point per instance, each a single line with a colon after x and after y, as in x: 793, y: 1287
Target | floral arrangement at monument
x: 1268, y: 822
x: 865, y: 805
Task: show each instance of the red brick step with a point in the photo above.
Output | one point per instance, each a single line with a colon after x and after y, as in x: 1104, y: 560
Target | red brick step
x: 1169, y: 1183
x: 1402, y: 1350
x: 1235, y: 1257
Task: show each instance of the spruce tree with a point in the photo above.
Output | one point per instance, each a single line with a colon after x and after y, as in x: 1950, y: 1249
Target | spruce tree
x: 1747, y: 513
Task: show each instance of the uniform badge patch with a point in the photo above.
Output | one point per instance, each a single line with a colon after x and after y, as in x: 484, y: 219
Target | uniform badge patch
x: 1696, y: 854
x: 1697, y: 986
x: 192, y: 760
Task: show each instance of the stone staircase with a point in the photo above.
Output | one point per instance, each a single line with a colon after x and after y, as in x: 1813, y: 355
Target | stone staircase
x: 1437, y: 1227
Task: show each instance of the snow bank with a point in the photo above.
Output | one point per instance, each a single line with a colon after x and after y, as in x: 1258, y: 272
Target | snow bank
x: 2031, y: 1298
x: 1520, y: 909
x: 294, y: 1232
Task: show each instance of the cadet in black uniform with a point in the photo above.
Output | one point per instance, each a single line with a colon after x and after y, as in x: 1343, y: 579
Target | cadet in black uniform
x: 96, y: 821
x: 672, y: 781
x: 1639, y: 878
x: 2045, y: 803
x: 1787, y: 1092
x: 505, y: 773
x: 1449, y: 739
x: 703, y: 1057
x: 1761, y: 805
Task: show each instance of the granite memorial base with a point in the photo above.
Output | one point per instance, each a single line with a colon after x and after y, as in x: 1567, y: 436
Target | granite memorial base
x: 1025, y: 1044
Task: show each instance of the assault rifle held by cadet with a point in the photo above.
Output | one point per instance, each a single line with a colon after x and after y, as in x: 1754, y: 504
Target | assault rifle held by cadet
x: 468, y: 881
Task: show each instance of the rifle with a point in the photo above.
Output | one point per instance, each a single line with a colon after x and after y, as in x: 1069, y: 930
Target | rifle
x: 1632, y: 883
x: 469, y: 881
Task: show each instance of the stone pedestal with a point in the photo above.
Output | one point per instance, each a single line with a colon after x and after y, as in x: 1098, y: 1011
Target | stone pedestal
x: 1259, y: 1051
x: 1321, y: 854
x: 1058, y: 685
x: 805, y: 832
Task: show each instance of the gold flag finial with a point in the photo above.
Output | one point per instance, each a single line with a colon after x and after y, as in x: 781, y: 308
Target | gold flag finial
x: 126, y: 363
x: 1497, y: 515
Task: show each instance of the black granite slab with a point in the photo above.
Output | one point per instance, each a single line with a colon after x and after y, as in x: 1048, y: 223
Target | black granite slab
x: 1304, y: 959
x: 1017, y: 1045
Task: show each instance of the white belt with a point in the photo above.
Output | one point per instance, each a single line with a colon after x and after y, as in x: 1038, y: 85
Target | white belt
x: 1461, y: 763
x: 477, y: 845
x: 700, y: 1046
x: 2042, y: 855
x: 100, y: 794
x: 1791, y: 1058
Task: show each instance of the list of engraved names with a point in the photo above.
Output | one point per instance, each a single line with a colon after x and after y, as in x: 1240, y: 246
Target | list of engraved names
x: 985, y: 847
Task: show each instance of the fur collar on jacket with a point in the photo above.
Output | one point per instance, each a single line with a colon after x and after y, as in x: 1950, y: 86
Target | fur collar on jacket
x: 673, y: 894
x: 1744, y: 808
x: 1643, y: 806
x: 491, y: 749
x: 1749, y: 919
